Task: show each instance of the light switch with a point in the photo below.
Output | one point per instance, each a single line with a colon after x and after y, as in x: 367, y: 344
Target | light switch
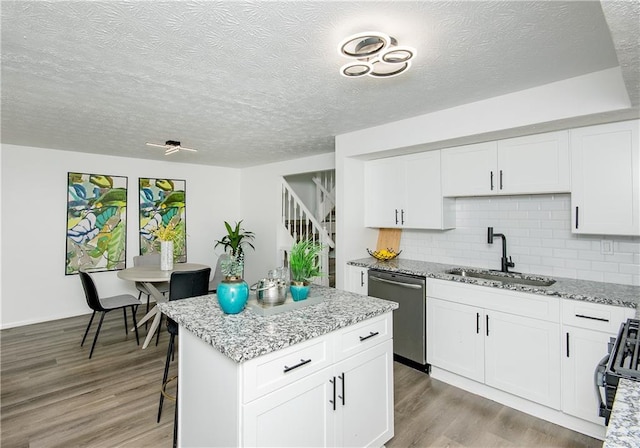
x: 606, y: 247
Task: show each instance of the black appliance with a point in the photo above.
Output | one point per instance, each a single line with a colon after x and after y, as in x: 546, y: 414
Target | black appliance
x: 623, y: 361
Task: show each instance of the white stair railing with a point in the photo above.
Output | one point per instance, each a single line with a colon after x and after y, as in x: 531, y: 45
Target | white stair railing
x: 300, y: 223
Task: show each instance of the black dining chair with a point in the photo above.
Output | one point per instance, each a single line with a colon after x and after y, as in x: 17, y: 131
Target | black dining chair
x: 104, y: 305
x: 182, y: 285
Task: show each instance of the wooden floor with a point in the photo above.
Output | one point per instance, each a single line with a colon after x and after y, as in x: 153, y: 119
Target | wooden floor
x: 54, y: 396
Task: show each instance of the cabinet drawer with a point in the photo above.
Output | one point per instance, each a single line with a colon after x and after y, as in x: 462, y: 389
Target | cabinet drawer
x: 512, y: 302
x: 270, y: 372
x: 594, y: 316
x: 363, y: 335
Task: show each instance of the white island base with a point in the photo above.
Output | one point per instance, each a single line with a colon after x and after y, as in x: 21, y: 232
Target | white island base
x: 332, y: 390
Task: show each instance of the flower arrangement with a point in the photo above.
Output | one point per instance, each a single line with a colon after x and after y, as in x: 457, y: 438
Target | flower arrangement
x: 166, y: 233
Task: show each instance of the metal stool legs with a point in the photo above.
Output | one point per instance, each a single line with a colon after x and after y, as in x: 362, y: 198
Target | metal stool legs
x: 165, y: 381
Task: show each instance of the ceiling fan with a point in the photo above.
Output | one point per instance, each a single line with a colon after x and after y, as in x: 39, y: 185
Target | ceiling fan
x: 171, y: 147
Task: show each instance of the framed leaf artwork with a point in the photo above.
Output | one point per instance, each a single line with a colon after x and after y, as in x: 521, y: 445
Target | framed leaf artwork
x: 162, y: 206
x: 96, y: 222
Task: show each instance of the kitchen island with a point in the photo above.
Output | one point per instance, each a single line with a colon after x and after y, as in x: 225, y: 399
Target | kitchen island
x: 321, y: 375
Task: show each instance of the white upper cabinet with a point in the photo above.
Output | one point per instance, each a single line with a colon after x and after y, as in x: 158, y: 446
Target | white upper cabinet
x: 605, y: 179
x: 525, y: 165
x: 534, y: 164
x: 470, y: 170
x: 405, y: 192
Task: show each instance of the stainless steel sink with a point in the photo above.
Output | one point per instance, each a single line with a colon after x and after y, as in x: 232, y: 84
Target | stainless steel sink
x: 503, y: 277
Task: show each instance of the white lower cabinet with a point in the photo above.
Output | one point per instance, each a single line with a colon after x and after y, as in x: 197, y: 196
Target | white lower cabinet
x: 586, y: 332
x: 350, y: 404
x: 583, y: 350
x: 522, y: 357
x: 510, y: 352
x: 454, y: 339
x: 357, y: 279
x: 333, y: 390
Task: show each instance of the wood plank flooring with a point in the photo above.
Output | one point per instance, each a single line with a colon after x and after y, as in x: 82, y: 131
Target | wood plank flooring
x: 54, y: 396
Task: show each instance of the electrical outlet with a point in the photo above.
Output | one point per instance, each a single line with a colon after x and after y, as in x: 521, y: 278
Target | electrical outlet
x: 606, y: 247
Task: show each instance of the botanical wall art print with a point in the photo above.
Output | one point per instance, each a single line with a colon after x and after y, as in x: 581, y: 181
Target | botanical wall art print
x: 162, y: 205
x: 96, y: 222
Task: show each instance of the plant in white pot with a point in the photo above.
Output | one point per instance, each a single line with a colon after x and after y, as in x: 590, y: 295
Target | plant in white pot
x: 304, y: 264
x: 233, y: 291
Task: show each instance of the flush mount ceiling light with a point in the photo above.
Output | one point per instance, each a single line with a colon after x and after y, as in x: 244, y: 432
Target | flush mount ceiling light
x: 171, y: 147
x: 374, y: 54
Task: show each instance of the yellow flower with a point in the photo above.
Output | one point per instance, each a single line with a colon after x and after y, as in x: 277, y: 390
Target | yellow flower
x: 165, y: 233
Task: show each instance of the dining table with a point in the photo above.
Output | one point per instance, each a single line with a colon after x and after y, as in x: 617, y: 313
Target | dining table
x: 148, y: 275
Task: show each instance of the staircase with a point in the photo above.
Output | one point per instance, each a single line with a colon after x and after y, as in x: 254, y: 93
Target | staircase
x: 299, y: 222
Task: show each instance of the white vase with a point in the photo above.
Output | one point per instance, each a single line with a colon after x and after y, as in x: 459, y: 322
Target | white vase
x: 166, y: 255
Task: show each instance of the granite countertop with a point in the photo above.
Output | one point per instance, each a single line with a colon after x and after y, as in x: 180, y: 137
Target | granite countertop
x: 247, y: 335
x: 624, y: 426
x: 586, y: 290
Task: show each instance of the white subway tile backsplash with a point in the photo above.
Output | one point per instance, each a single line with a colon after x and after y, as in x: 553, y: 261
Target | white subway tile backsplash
x: 539, y: 238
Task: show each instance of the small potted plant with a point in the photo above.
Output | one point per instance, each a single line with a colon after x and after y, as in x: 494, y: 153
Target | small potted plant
x: 233, y: 291
x: 304, y: 264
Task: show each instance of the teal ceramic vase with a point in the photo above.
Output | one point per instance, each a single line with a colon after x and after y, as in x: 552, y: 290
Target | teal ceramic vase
x: 299, y: 291
x: 233, y: 294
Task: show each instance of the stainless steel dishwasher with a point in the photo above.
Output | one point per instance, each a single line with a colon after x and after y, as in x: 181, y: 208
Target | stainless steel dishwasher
x: 409, y: 321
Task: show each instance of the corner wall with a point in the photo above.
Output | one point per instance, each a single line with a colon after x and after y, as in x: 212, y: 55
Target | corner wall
x: 33, y: 180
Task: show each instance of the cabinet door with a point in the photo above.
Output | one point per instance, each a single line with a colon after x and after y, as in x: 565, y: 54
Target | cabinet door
x: 455, y: 338
x: 365, y: 397
x: 583, y: 349
x: 522, y: 357
x: 534, y: 164
x: 384, y: 192
x: 298, y: 415
x: 357, y: 279
x: 424, y: 204
x: 470, y: 170
x: 605, y: 179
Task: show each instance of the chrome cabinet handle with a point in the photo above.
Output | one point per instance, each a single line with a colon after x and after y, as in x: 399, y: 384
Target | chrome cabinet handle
x: 300, y: 364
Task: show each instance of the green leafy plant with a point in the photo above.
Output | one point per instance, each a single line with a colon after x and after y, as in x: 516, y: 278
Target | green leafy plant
x: 233, y: 243
x: 304, y: 260
x: 235, y: 239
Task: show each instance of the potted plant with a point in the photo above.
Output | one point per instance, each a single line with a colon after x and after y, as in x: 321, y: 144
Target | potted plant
x: 304, y: 264
x: 233, y: 291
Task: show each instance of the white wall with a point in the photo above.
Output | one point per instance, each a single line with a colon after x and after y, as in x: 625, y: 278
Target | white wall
x: 33, y: 181
x: 261, y: 207
x: 539, y: 238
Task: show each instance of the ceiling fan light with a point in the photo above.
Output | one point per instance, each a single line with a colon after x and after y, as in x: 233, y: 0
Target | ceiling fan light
x: 364, y: 45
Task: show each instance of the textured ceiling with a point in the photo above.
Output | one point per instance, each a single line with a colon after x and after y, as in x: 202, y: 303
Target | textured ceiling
x: 252, y: 82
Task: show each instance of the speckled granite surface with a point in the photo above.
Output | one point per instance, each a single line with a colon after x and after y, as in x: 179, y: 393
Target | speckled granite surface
x: 246, y: 335
x: 598, y: 292
x: 624, y: 426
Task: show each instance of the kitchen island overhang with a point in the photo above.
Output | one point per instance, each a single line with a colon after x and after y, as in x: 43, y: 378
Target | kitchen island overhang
x: 318, y: 376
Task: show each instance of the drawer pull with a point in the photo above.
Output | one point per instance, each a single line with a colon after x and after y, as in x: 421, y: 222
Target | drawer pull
x: 333, y: 402
x: 371, y: 334
x: 601, y: 319
x: 300, y: 364
x: 342, y: 380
